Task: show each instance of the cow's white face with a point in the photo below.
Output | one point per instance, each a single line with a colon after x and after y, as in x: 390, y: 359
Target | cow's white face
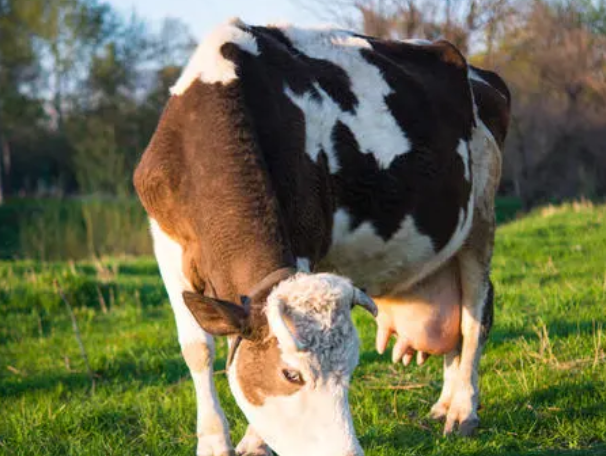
x: 293, y: 385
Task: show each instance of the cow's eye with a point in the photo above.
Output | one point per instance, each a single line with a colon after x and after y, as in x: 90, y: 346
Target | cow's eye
x: 293, y: 376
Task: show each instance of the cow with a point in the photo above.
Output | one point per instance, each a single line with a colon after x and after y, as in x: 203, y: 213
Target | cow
x: 296, y: 173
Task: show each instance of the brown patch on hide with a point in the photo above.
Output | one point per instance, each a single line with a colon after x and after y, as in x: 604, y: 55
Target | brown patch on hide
x: 205, y: 181
x: 259, y: 371
x: 198, y: 356
x: 450, y: 54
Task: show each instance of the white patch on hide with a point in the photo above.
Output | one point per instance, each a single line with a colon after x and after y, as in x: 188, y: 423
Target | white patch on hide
x: 370, y: 261
x: 207, y: 63
x: 314, y: 421
x: 463, y: 151
x: 486, y: 163
x: 454, y: 244
x: 373, y: 125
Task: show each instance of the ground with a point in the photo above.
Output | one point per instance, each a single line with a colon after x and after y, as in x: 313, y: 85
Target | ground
x: 543, y: 374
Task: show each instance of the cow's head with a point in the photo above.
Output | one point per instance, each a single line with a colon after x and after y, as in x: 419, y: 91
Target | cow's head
x: 294, y: 350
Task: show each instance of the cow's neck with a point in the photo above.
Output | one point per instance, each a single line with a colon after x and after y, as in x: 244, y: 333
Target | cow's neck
x: 239, y: 218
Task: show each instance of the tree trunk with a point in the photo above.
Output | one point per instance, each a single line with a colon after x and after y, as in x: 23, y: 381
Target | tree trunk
x: 5, y: 164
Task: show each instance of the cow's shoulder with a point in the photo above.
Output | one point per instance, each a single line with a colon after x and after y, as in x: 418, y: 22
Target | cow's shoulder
x: 203, y: 122
x: 160, y: 169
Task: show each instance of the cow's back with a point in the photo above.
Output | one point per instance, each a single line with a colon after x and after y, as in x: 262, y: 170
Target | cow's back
x: 367, y: 144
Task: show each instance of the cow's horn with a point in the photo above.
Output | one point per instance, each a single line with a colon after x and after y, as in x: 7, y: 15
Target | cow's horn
x: 362, y: 299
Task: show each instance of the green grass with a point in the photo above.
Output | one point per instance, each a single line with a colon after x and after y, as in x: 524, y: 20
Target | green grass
x: 543, y: 373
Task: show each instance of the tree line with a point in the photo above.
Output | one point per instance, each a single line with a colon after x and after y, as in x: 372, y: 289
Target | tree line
x: 82, y: 87
x: 551, y: 53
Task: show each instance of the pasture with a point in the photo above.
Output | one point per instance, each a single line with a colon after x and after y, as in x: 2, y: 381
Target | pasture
x: 543, y: 372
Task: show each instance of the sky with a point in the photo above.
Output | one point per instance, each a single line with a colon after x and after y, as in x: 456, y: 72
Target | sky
x: 202, y: 15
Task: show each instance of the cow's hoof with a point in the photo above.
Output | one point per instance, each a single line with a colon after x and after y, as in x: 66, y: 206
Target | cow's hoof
x: 252, y: 445
x: 465, y: 424
x: 439, y: 411
x: 469, y: 427
x: 261, y: 450
x: 214, y: 445
x: 462, y: 413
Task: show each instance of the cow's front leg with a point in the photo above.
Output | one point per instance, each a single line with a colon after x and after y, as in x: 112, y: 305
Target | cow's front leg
x: 252, y: 445
x: 212, y: 429
x: 198, y: 350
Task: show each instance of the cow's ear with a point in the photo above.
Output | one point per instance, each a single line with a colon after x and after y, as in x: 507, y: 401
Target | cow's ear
x: 217, y: 317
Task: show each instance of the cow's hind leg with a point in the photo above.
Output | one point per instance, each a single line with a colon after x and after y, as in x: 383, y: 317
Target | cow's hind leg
x: 440, y: 409
x: 451, y: 369
x: 197, y: 348
x: 460, y: 396
x: 458, y: 402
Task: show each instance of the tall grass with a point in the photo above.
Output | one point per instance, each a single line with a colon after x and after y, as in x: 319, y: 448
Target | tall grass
x: 73, y: 229
x: 52, y: 229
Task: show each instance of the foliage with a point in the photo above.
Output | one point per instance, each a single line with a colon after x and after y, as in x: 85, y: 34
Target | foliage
x: 81, y: 91
x: 543, y: 373
x: 552, y: 55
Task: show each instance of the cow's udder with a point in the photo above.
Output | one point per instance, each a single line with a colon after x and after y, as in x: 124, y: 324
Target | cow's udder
x: 428, y: 316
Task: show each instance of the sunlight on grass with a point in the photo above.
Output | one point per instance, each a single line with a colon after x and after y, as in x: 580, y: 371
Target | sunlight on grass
x: 543, y: 373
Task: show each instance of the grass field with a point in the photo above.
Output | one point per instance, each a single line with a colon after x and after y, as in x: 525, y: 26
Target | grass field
x: 543, y: 373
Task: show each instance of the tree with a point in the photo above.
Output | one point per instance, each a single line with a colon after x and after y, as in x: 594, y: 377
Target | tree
x: 555, y: 62
x: 81, y: 90
x: 19, y: 70
x: 463, y: 22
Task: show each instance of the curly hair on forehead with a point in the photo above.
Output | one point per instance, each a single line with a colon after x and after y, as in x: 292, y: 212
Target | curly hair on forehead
x: 317, y: 310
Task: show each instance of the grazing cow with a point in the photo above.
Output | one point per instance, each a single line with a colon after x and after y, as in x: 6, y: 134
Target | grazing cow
x: 284, y: 152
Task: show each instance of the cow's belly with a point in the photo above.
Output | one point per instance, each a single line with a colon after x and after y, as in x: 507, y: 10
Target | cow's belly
x: 372, y: 263
x: 427, y: 312
x: 385, y: 268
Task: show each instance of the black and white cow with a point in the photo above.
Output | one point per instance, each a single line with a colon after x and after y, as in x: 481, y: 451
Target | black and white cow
x: 284, y: 152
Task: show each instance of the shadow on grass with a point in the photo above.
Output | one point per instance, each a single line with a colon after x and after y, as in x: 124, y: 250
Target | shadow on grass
x: 125, y: 370
x: 17, y: 387
x: 598, y: 450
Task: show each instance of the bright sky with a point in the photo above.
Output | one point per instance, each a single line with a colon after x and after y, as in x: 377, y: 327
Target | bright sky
x: 202, y: 15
